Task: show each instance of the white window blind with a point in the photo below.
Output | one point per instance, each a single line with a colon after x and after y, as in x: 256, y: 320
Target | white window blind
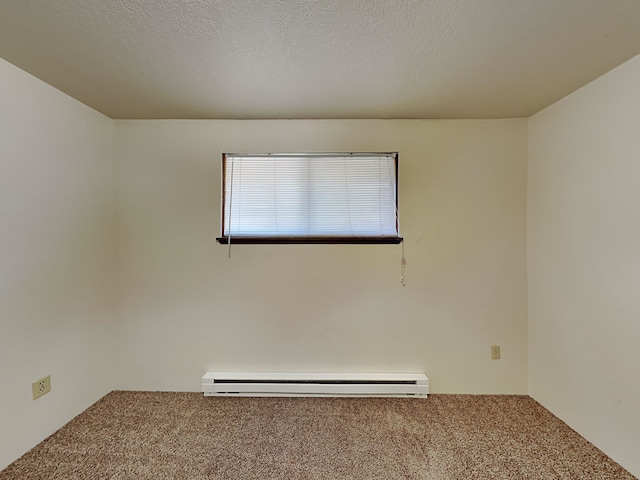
x: 310, y: 197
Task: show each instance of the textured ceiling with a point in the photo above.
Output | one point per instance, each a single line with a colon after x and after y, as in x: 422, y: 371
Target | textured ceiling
x: 318, y: 58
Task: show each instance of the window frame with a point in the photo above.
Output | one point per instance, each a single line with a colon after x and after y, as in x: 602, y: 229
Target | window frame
x: 324, y: 239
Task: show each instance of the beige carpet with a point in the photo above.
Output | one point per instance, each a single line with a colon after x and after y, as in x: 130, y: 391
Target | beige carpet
x: 138, y: 435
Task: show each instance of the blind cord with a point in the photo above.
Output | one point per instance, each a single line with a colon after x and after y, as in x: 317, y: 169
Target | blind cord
x: 403, y: 264
x: 230, y: 200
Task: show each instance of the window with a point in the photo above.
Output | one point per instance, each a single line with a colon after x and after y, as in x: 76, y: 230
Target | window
x: 310, y: 198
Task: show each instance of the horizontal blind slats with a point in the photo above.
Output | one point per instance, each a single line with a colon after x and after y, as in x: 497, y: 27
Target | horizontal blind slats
x: 310, y: 196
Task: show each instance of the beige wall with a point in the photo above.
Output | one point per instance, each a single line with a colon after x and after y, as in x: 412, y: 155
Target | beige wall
x: 184, y: 307
x: 584, y: 261
x: 56, y: 250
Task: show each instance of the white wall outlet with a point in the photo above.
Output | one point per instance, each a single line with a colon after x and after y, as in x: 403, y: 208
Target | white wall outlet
x: 495, y: 352
x: 40, y: 387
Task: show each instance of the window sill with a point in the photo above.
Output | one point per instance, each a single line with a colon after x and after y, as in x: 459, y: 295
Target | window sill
x: 314, y: 240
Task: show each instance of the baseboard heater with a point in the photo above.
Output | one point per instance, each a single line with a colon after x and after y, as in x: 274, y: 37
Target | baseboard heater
x: 412, y: 385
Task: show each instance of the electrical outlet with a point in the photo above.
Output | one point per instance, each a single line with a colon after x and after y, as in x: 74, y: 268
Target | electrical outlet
x: 495, y: 352
x: 40, y: 387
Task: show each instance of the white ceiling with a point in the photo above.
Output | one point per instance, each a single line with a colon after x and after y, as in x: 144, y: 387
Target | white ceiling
x: 318, y: 58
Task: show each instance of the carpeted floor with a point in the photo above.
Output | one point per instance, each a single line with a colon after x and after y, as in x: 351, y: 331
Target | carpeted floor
x: 143, y: 435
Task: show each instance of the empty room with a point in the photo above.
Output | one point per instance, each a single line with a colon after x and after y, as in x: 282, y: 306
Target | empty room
x: 319, y: 239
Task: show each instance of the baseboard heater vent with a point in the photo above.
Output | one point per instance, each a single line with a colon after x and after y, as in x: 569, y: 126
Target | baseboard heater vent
x: 412, y: 385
